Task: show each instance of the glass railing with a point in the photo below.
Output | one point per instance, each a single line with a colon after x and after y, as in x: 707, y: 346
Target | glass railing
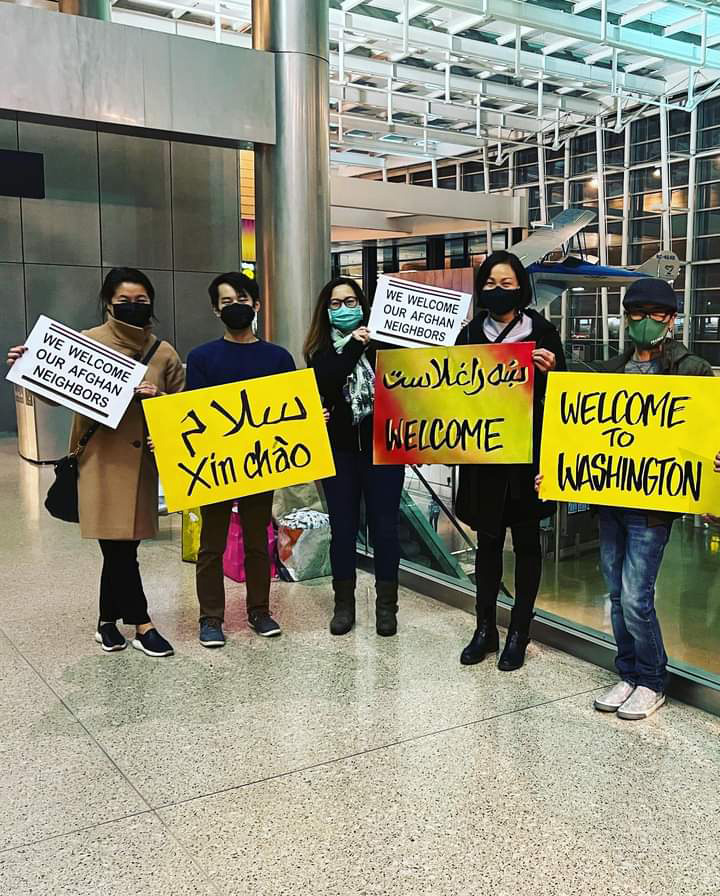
x: 436, y: 547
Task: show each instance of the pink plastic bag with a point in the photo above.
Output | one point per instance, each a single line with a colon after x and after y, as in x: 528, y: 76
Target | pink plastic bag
x: 234, y: 556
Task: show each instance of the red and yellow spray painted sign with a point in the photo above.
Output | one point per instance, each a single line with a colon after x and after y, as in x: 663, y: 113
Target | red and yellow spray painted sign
x: 470, y: 404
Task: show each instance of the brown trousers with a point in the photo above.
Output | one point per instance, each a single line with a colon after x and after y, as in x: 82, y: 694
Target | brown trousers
x: 255, y: 515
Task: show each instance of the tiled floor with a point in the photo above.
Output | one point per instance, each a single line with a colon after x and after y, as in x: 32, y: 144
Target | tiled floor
x: 315, y: 765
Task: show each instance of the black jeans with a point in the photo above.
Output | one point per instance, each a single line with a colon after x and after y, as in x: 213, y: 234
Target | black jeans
x: 121, y: 589
x: 528, y: 569
x: 357, y: 476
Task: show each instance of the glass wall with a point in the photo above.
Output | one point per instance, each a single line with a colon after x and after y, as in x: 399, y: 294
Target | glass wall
x: 573, y: 594
x: 638, y: 225
x: 635, y: 219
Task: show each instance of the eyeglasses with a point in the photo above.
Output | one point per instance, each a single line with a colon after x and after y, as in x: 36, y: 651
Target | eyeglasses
x: 638, y: 314
x: 349, y: 302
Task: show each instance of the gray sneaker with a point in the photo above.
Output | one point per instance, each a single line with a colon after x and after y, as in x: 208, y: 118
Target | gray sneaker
x: 612, y: 699
x: 642, y: 703
x: 211, y: 633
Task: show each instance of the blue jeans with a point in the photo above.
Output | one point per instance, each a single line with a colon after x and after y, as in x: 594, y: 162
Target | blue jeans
x: 631, y: 553
x: 356, y: 477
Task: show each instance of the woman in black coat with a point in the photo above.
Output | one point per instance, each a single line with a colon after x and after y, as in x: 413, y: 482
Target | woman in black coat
x: 339, y: 350
x: 492, y: 497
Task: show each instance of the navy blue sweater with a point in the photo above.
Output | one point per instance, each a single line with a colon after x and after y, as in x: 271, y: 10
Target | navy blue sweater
x: 221, y: 361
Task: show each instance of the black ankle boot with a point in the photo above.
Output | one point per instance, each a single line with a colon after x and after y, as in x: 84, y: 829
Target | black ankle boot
x: 513, y: 655
x: 386, y: 607
x: 344, y: 616
x: 485, y: 640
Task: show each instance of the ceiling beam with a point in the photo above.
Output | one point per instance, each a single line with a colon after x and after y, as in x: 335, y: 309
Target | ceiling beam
x: 416, y: 105
x: 589, y: 30
x: 640, y: 11
x: 486, y: 89
x: 464, y: 23
x: 490, y: 54
x: 559, y: 45
x: 683, y: 24
x: 645, y: 62
x: 582, y: 5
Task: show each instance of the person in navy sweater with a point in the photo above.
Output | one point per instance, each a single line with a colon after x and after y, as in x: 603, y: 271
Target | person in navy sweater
x: 239, y: 355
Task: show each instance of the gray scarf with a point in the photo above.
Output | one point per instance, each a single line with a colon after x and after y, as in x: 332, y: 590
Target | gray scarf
x: 359, y: 389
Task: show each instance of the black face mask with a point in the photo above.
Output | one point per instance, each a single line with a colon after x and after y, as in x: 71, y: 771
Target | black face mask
x: 237, y: 316
x: 133, y: 313
x: 499, y: 300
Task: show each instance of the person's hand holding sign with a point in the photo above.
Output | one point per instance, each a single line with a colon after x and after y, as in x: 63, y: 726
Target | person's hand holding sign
x: 362, y: 334
x: 147, y: 390
x: 544, y: 360
x: 710, y: 517
x: 15, y: 353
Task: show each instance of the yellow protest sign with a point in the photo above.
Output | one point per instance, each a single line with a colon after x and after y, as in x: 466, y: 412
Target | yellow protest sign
x: 468, y: 404
x: 229, y: 441
x: 632, y: 440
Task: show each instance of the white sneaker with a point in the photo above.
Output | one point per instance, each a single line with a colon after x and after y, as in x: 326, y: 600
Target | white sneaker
x: 642, y: 703
x: 613, y: 699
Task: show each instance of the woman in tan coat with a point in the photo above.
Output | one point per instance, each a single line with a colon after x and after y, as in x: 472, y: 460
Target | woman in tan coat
x: 117, y: 476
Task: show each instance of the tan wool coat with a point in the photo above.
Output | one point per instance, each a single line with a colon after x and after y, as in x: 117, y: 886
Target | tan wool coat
x: 117, y: 476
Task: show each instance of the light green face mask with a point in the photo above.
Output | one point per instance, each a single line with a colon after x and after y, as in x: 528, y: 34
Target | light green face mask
x: 647, y: 333
x: 345, y: 319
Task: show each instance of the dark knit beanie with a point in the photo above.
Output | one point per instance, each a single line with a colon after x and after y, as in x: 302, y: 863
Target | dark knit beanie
x: 650, y: 291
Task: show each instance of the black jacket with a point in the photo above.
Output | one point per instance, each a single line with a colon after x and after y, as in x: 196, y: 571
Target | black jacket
x: 331, y: 372
x: 675, y: 359
x: 487, y: 493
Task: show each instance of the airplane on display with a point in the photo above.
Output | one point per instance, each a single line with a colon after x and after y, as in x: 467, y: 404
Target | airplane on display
x: 574, y: 271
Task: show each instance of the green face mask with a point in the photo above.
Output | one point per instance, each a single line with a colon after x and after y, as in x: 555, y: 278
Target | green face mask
x: 346, y: 319
x: 647, y: 333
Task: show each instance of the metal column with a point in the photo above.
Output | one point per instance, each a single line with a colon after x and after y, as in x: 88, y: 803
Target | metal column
x: 564, y: 310
x: 602, y: 232
x: 665, y: 178
x: 625, y: 249
x: 688, y: 309
x: 369, y: 269
x: 89, y: 9
x: 292, y: 178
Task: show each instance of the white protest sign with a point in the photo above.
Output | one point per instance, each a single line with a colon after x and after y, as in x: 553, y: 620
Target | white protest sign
x: 77, y: 372
x: 408, y: 313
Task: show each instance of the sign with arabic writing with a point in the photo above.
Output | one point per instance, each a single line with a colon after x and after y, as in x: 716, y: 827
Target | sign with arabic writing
x: 470, y: 404
x: 228, y: 441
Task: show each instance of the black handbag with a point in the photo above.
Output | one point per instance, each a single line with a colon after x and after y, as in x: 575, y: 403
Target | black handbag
x: 62, y: 497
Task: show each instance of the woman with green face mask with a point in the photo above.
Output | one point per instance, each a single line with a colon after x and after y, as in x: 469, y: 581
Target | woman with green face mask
x: 339, y: 349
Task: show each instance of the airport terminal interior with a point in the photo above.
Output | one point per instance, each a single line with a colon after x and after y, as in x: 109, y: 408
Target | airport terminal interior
x: 295, y: 141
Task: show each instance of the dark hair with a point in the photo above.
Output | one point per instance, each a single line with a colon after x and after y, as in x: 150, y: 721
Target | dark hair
x: 243, y: 286
x: 502, y: 257
x: 125, y: 275
x: 117, y: 276
x: 318, y: 337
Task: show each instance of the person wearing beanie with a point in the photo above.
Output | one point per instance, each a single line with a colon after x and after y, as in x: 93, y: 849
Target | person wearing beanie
x: 632, y: 541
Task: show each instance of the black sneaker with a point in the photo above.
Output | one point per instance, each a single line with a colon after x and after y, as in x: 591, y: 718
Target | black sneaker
x: 109, y: 637
x: 264, y: 625
x: 153, y: 644
x: 211, y: 633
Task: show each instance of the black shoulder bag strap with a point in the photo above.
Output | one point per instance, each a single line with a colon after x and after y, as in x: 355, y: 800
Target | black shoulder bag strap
x: 81, y: 445
x: 513, y: 323
x: 150, y: 352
